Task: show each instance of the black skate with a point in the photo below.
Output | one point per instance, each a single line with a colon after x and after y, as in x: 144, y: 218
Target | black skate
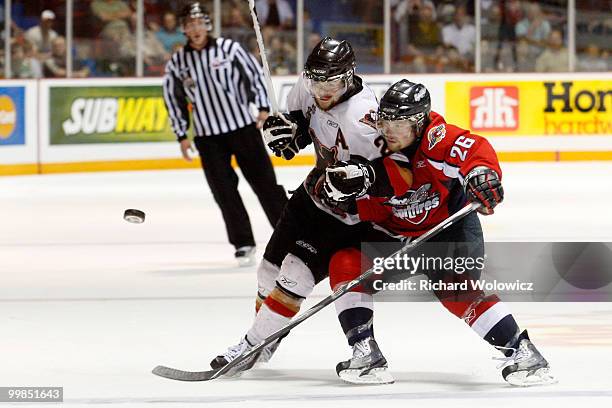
x: 231, y: 354
x: 367, y: 366
x: 526, y: 366
x: 245, y: 256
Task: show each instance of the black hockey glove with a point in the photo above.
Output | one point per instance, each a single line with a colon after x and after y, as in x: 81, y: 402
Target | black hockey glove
x: 345, y: 180
x: 483, y: 186
x: 283, y: 136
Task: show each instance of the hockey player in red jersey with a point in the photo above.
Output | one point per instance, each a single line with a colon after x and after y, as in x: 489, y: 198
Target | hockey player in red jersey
x: 448, y: 166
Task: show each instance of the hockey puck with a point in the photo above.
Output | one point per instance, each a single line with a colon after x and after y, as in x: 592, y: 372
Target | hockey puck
x: 134, y: 216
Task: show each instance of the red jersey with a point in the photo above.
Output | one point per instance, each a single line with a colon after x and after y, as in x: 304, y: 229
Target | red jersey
x: 429, y: 187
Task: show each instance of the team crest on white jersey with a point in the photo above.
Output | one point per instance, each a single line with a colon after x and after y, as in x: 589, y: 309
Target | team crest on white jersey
x: 414, y: 206
x: 310, y: 111
x: 368, y: 119
x: 436, y: 134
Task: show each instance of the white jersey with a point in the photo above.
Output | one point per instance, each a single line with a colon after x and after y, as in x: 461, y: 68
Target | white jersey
x: 346, y: 130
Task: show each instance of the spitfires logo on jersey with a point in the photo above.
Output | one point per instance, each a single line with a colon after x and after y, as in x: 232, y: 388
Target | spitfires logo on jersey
x: 494, y: 108
x: 436, y: 134
x: 414, y: 206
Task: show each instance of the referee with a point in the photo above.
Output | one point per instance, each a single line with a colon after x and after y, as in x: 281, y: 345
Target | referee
x: 221, y: 80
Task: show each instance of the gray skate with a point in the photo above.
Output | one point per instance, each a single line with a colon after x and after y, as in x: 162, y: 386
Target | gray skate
x: 526, y: 366
x: 367, y: 366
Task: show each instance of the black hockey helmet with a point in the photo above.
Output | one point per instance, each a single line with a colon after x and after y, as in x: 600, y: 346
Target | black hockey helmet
x: 330, y: 59
x: 329, y: 71
x: 406, y: 101
x: 195, y: 9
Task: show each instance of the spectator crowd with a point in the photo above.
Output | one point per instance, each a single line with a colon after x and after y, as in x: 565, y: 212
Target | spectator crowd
x: 427, y: 35
x: 104, y: 44
x: 517, y: 36
x: 433, y: 36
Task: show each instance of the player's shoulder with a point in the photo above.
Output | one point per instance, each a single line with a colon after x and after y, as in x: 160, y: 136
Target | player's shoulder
x: 360, y: 107
x: 440, y: 136
x: 300, y: 84
x: 365, y: 99
x: 298, y: 96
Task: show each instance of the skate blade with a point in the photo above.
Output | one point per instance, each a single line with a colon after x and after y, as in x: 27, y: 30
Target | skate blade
x: 374, y: 377
x: 541, y: 377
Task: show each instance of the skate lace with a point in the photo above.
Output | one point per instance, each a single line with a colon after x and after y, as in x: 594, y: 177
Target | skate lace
x: 362, y: 348
x: 234, y: 351
x: 518, y: 355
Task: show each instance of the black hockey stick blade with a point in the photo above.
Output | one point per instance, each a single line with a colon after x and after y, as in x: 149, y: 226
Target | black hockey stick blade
x: 211, y: 375
x: 180, y: 375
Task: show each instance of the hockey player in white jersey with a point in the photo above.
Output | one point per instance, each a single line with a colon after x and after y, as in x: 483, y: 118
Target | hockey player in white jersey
x: 329, y: 107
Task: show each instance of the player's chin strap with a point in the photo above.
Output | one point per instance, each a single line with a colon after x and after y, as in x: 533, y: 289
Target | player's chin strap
x: 342, y: 290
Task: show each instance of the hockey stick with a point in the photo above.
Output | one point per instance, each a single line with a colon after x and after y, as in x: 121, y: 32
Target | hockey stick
x: 264, y: 58
x: 181, y: 375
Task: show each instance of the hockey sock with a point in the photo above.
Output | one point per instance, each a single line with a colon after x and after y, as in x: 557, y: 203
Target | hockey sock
x: 354, y: 309
x: 504, y: 333
x: 275, y: 312
x: 490, y: 318
x: 295, y: 282
x: 267, y: 272
x: 357, y: 324
x: 259, y: 299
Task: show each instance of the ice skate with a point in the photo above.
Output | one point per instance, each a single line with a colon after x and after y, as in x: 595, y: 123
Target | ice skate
x: 231, y: 354
x: 245, y: 256
x: 526, y: 366
x: 367, y: 366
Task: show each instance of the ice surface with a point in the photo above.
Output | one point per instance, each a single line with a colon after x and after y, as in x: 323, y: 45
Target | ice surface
x: 92, y: 303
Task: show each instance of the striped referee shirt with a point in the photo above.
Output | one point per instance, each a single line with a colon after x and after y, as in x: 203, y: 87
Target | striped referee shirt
x: 220, y: 81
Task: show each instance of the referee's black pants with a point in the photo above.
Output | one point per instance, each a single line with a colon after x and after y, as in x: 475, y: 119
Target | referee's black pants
x: 247, y: 146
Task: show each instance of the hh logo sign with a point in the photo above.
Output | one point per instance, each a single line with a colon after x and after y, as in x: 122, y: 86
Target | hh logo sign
x: 494, y: 108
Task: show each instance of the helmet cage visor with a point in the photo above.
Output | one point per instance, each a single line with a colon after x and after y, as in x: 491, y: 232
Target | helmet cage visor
x: 321, y: 86
x: 395, y: 126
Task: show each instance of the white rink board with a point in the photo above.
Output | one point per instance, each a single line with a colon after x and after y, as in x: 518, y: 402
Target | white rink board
x: 282, y: 85
x: 38, y: 147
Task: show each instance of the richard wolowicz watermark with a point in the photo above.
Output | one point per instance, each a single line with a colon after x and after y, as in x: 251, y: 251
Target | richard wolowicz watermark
x: 466, y: 268
x: 465, y: 286
x: 520, y: 271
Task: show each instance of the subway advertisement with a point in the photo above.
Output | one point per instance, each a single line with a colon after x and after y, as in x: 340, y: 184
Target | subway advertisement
x: 12, y: 113
x: 532, y: 108
x: 107, y: 114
